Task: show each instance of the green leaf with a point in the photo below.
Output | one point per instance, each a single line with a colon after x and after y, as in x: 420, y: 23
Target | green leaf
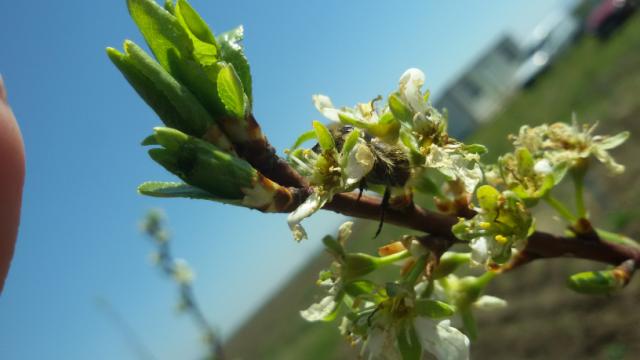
x: 488, y: 197
x: 149, y: 140
x: 230, y: 92
x: 450, y: 262
x: 476, y: 149
x: 363, y: 288
x: 170, y: 6
x: 359, y: 264
x: 525, y: 161
x: 469, y: 322
x: 174, y: 190
x: 333, y: 246
x: 161, y: 30
x: 433, y: 308
x: 409, y: 344
x: 349, y: 143
x: 202, y: 165
x: 307, y: 136
x: 399, y: 109
x: 614, y: 141
x: 231, y: 52
x: 324, y: 136
x: 192, y: 118
x: 157, y: 99
x: 204, y: 43
x: 425, y: 185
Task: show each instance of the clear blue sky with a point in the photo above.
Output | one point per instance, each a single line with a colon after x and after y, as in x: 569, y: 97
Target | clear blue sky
x: 82, y: 124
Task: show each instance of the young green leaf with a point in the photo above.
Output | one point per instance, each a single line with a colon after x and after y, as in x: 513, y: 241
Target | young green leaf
x: 193, y: 118
x: 231, y: 92
x: 204, y: 43
x: 174, y: 190
x: 231, y: 52
x: 152, y: 94
x: 161, y: 30
x: 409, y: 343
x: 333, y: 246
x: 433, y: 308
x: 324, y: 136
x: 399, y: 109
x: 307, y: 136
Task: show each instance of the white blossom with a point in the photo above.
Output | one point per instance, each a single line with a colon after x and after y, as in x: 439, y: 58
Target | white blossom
x: 410, y: 84
x: 325, y: 107
x: 320, y: 310
x: 453, y: 163
x: 313, y: 203
x: 441, y: 339
x: 489, y: 303
x: 359, y: 164
x: 182, y: 272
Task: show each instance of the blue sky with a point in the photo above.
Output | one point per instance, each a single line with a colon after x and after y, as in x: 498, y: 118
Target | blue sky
x: 82, y: 124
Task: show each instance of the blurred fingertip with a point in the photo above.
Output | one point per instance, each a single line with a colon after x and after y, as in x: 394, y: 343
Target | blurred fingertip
x: 3, y: 91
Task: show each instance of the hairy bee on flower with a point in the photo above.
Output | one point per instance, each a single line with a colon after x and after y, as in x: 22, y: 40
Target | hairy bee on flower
x: 391, y: 168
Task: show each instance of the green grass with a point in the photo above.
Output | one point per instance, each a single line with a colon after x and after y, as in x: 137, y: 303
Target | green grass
x: 599, y: 82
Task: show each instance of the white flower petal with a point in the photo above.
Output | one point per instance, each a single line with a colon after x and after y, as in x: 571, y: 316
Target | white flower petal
x: 490, y: 303
x: 441, y: 339
x: 325, y: 107
x: 344, y: 232
x: 182, y: 272
x: 319, y: 311
x: 543, y: 167
x: 381, y: 344
x: 359, y: 164
x: 410, y: 84
x: 479, y: 250
x: 313, y: 203
x: 610, y: 142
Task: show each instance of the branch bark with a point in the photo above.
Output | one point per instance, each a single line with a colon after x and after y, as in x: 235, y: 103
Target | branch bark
x: 540, y: 245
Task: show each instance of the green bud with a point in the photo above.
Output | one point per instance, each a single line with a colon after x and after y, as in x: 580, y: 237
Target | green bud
x: 324, y: 136
x: 525, y: 161
x: 433, y: 308
x: 359, y: 264
x: 399, y: 109
x: 333, y: 246
x: 202, y: 165
x: 488, y: 197
x: 596, y: 282
x: 362, y: 288
x: 476, y: 149
x: 450, y: 262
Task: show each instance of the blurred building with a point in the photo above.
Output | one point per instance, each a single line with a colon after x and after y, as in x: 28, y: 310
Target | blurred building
x: 481, y: 89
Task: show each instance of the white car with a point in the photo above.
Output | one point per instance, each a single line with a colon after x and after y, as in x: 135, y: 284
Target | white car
x: 547, y: 41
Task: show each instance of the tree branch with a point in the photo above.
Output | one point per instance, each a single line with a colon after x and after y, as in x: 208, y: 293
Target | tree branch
x: 263, y: 157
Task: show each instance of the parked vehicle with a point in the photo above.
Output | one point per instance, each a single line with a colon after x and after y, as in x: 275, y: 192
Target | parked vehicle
x: 605, y: 18
x: 548, y: 39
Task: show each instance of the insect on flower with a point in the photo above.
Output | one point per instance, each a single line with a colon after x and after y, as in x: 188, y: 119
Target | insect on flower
x: 391, y: 167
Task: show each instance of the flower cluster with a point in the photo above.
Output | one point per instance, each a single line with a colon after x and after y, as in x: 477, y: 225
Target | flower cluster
x: 502, y: 224
x: 569, y: 145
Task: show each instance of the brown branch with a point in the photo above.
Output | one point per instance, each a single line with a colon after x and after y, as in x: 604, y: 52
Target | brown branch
x: 540, y: 245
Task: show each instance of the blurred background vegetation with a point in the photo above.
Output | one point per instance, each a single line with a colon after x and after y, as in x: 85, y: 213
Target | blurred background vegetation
x: 598, y: 79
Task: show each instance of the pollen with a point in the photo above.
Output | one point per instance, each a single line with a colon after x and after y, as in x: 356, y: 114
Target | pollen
x: 501, y: 239
x: 485, y: 225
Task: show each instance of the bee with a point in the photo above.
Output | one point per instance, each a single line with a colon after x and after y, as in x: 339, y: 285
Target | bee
x: 391, y: 167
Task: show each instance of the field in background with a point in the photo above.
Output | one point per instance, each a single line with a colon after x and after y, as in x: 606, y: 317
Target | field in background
x: 599, y: 82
